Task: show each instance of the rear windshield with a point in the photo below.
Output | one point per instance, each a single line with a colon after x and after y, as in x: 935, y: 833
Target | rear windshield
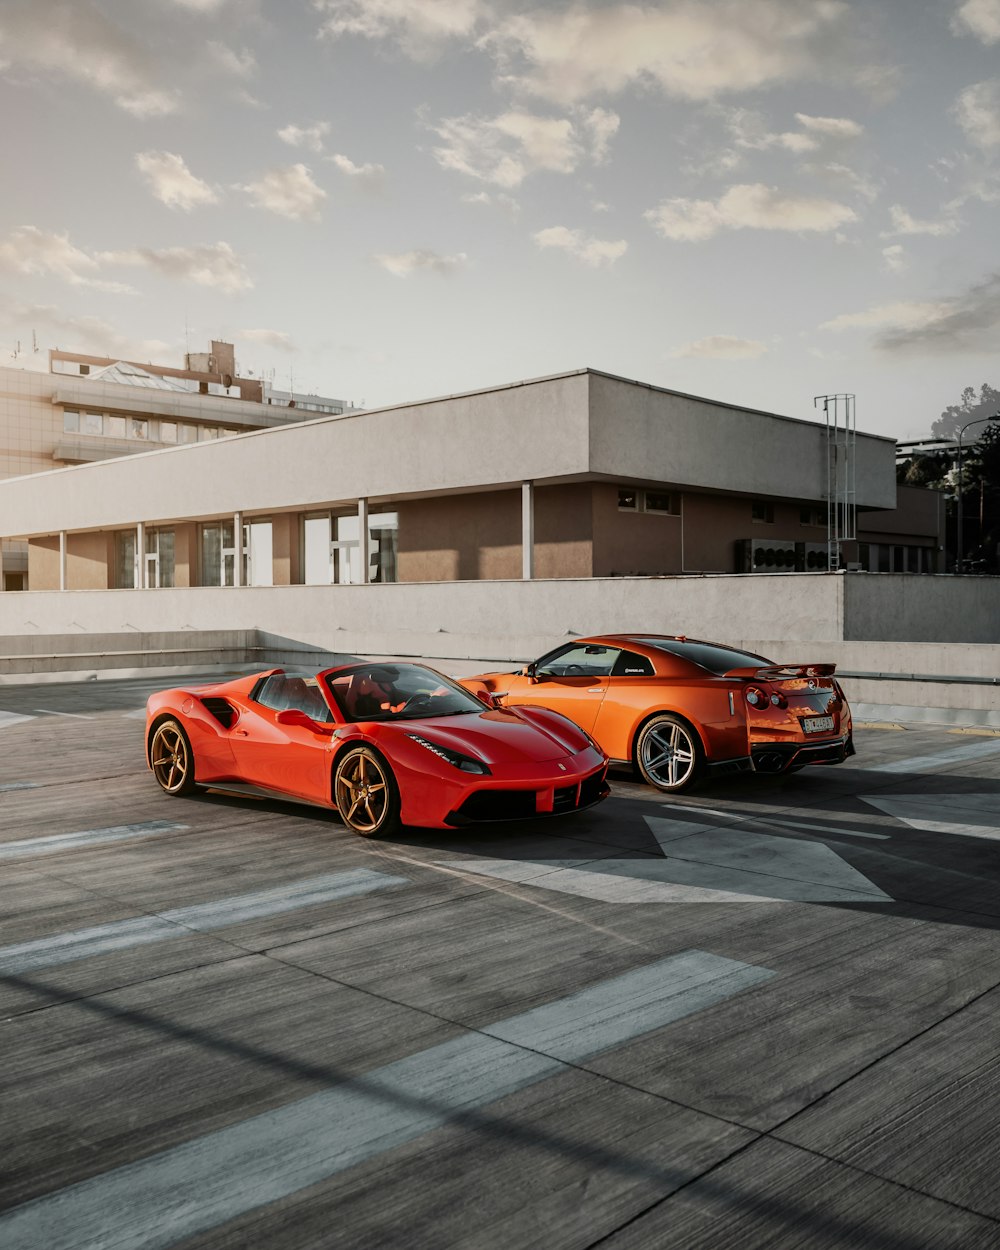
x: 706, y: 654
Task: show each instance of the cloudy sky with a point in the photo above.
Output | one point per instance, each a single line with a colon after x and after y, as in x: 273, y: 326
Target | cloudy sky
x: 758, y: 201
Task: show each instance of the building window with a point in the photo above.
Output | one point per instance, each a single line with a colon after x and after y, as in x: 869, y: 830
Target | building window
x: 660, y: 501
x: 332, y: 554
x: 187, y: 433
x: 628, y: 499
x: 71, y: 421
x: 206, y: 433
x: 383, y: 531
x: 159, y: 558
x: 218, y: 554
x: 811, y: 516
x: 316, y: 554
x: 138, y: 427
x: 258, y: 568
x: 168, y: 431
x: 124, y: 571
x: 114, y: 427
x: 761, y: 511
x: 92, y: 423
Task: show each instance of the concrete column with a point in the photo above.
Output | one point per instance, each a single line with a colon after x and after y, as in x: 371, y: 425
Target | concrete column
x: 238, y: 548
x: 2, y: 587
x: 363, y: 538
x: 62, y: 559
x: 140, y: 556
x: 527, y: 530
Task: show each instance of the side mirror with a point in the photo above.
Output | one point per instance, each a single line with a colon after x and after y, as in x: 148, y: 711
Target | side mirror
x: 484, y: 696
x: 530, y: 671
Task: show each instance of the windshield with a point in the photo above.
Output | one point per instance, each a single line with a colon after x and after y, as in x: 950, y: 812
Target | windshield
x: 716, y: 659
x: 378, y: 692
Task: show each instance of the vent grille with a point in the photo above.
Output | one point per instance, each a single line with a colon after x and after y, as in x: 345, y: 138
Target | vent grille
x: 222, y: 710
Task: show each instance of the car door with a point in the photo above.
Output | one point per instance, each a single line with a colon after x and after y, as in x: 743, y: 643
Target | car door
x: 290, y: 758
x: 572, y: 680
x: 627, y: 698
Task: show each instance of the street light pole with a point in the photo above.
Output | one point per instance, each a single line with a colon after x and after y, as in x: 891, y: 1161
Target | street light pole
x: 994, y: 416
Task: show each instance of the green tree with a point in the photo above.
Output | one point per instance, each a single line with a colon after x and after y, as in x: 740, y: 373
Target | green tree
x: 971, y: 407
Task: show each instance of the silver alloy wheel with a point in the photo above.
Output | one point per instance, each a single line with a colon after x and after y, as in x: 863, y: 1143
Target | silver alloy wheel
x: 365, y: 793
x: 171, y: 759
x: 668, y: 753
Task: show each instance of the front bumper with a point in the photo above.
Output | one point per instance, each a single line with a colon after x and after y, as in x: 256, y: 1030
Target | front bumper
x: 575, y: 794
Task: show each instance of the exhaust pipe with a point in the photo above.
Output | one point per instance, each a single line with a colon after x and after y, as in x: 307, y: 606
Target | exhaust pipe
x: 769, y: 762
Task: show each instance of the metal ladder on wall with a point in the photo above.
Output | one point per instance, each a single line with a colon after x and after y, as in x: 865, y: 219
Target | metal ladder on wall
x: 841, y: 493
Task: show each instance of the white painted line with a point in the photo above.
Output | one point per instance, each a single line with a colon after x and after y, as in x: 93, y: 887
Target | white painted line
x: 190, y: 1189
x: 969, y: 815
x: 138, y: 714
x: 62, y: 948
x: 13, y: 718
x: 801, y: 824
x: 75, y: 715
x: 18, y: 785
x: 87, y: 837
x: 921, y: 763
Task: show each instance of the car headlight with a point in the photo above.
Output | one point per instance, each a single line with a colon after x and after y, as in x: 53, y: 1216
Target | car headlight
x: 465, y: 763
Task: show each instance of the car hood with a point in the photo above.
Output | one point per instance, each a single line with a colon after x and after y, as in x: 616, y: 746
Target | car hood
x: 497, y: 737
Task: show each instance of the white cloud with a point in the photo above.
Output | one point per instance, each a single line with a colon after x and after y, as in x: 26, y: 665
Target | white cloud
x: 288, y: 192
x: 212, y: 264
x: 747, y: 206
x: 894, y: 257
x: 370, y: 176
x: 965, y: 323
x: 584, y: 247
x: 310, y: 137
x: 904, y: 223
x: 695, y: 49
x: 843, y: 176
x: 241, y: 64
x: 419, y: 26
x: 403, y: 264
x: 980, y: 18
x: 277, y: 339
x: 722, y: 347
x: 75, y: 39
x: 905, y: 314
x: 977, y: 111
x: 831, y: 127
x: 504, y: 150
x: 172, y: 182
x: 35, y: 252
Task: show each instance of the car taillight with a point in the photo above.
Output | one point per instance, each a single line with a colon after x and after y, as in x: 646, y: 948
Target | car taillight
x: 778, y: 700
x: 755, y: 696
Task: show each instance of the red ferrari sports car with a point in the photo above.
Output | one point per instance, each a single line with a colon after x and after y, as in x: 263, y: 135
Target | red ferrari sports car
x: 676, y: 707
x: 384, y: 744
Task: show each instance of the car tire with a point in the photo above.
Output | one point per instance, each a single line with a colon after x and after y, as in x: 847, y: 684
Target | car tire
x: 366, y: 793
x: 668, y: 754
x: 171, y: 759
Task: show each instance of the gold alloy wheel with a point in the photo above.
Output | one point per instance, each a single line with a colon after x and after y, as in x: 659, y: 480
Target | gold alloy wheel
x: 171, y: 759
x: 668, y: 754
x: 365, y: 792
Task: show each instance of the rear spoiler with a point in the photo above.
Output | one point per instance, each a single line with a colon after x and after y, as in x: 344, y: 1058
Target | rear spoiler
x: 781, y: 672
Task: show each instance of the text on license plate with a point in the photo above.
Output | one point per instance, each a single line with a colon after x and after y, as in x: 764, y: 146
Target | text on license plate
x: 817, y: 724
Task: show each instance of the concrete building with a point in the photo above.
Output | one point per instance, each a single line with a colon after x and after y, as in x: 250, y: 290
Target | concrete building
x: 574, y: 476
x: 90, y: 408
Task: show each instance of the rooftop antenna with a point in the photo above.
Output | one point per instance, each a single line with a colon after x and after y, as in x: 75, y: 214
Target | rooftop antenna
x: 34, y: 342
x: 17, y: 349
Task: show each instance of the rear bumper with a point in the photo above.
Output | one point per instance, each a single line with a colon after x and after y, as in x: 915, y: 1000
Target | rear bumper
x: 776, y: 757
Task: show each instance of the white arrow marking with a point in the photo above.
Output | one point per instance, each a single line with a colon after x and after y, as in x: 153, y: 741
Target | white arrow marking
x: 12, y: 718
x: 973, y: 815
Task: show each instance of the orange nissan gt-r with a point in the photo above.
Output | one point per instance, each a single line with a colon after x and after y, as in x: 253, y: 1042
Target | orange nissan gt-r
x: 677, y: 708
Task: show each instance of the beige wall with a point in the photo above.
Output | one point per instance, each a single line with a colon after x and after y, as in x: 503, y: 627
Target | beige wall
x: 185, y: 555
x: 286, y: 542
x: 460, y: 537
x: 918, y: 518
x: 632, y: 542
x: 563, y: 532
x: 43, y: 563
x: 89, y: 561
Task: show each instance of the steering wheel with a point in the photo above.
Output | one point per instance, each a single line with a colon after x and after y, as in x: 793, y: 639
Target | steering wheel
x: 573, y: 670
x: 416, y: 699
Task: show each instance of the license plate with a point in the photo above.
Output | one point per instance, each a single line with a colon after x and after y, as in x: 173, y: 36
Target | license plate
x: 817, y: 724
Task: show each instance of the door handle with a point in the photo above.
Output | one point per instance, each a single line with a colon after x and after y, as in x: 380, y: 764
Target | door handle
x: 241, y: 733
